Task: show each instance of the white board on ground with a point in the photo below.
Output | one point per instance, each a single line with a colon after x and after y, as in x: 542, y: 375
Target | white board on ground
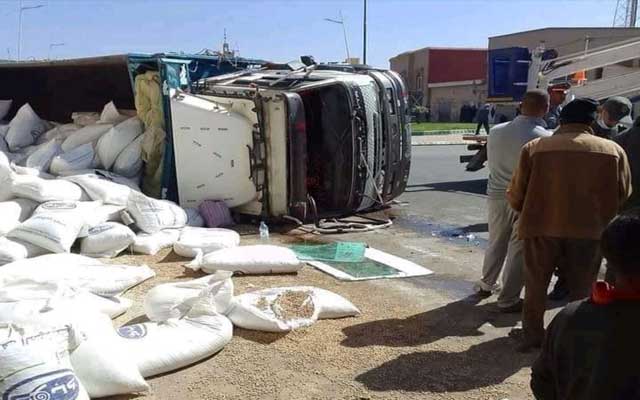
x: 404, y: 267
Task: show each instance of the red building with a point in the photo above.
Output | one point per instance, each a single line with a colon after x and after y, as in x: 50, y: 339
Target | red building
x: 444, y: 79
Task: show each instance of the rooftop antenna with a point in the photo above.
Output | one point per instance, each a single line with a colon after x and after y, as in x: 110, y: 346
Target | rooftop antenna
x: 225, y: 44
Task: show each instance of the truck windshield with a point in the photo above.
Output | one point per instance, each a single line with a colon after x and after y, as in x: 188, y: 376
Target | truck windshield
x: 330, y: 143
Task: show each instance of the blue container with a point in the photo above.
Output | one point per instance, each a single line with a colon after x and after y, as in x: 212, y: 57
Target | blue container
x: 508, y: 73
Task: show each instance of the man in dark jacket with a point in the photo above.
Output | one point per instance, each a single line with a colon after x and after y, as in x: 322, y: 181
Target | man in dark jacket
x: 629, y: 140
x: 485, y: 113
x: 611, y: 112
x: 591, y: 351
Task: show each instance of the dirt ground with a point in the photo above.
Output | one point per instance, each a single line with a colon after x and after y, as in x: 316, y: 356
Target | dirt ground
x: 411, y: 341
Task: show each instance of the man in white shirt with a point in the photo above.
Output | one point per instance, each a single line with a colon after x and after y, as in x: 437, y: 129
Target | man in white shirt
x: 504, y: 145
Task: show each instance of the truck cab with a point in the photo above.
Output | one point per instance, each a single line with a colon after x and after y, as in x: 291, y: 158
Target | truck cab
x: 308, y: 142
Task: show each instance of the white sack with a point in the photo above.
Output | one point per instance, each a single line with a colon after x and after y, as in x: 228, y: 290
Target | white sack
x: 24, y: 128
x: 4, y: 128
x: 106, y: 240
x: 31, y: 172
x: 5, y: 106
x: 204, y: 240
x: 111, y: 115
x: 152, y: 243
x: 4, y: 147
x: 41, y: 158
x: 60, y: 132
x: 54, y: 225
x: 175, y: 300
x: 194, y: 218
x: 6, y: 178
x: 25, y: 299
x: 129, y: 162
x: 77, y: 271
x: 262, y: 310
x: 102, y: 363
x: 76, y: 159
x: 84, y: 118
x: 15, y: 249
x: 43, y: 190
x: 152, y: 215
x: 104, y: 187
x: 176, y: 343
x: 85, y: 135
x: 116, y: 140
x: 13, y: 212
x: 102, y: 214
x: 35, y: 365
x: 258, y: 259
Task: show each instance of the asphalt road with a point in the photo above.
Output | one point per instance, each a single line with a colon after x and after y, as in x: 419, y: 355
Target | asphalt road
x: 442, y: 191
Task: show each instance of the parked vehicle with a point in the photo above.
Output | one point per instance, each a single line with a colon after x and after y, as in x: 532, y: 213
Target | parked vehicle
x: 297, y: 140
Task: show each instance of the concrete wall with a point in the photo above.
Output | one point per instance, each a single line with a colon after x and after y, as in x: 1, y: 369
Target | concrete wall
x: 446, y: 101
x: 411, y: 65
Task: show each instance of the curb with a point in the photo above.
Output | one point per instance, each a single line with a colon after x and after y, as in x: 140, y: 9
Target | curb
x: 439, y: 143
x: 449, y: 132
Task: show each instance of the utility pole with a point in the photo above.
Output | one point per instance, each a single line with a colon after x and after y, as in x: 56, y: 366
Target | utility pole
x: 51, y: 46
x: 20, y: 11
x: 364, y: 35
x: 344, y: 31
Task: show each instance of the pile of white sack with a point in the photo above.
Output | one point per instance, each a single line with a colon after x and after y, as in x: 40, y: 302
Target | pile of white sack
x: 110, y: 141
x: 56, y: 333
x: 74, y: 188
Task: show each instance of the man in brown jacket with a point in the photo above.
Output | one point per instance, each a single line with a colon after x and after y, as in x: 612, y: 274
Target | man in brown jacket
x: 567, y: 188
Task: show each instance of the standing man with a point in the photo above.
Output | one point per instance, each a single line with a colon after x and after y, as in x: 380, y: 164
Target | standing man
x: 611, y: 112
x: 567, y: 188
x: 629, y: 140
x: 482, y: 117
x: 591, y: 351
x: 504, y: 145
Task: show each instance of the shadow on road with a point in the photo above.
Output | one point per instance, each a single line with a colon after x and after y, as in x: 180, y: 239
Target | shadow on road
x: 484, y: 364
x: 477, y: 186
x: 460, y: 318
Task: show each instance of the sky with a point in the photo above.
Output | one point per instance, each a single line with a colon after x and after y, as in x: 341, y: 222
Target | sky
x: 279, y: 30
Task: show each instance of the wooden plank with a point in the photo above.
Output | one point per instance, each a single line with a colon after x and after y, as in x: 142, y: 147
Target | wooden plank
x: 475, y: 138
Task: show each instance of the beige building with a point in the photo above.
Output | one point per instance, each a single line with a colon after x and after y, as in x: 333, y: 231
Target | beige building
x: 444, y: 79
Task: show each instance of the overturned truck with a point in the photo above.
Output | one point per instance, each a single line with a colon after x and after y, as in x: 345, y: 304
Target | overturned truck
x: 271, y: 140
